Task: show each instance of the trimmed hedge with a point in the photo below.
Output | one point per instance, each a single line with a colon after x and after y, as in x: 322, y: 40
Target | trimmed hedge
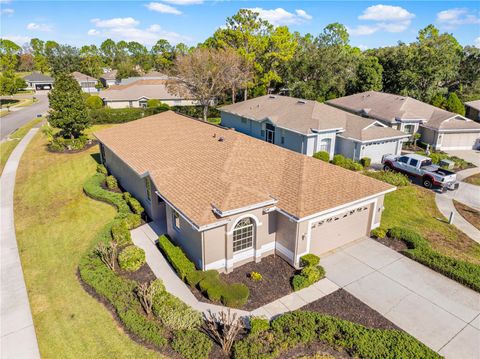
x: 322, y: 155
x: 308, y: 275
x: 365, y: 161
x: 122, y: 115
x: 131, y: 258
x: 209, y: 282
x: 378, y: 232
x: 192, y: 344
x: 394, y: 178
x: 309, y: 260
x: 111, y: 182
x: 347, y: 163
x: 302, y: 328
x: 93, y: 188
x: 133, y: 203
x: 420, y: 250
x: 102, y: 169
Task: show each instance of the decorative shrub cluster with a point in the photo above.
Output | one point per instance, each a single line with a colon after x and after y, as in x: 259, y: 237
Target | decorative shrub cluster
x: 133, y: 203
x: 102, y: 169
x: 209, y: 282
x: 311, y: 272
x: 378, y: 232
x: 420, y: 250
x: 347, y: 163
x: 175, y: 314
x: 365, y: 161
x: 192, y: 344
x: 394, y: 178
x: 111, y: 182
x: 302, y: 328
x: 59, y: 144
x: 259, y: 325
x: 322, y: 155
x: 131, y: 258
x: 94, y: 102
x: 437, y: 157
x: 256, y: 277
x: 121, y: 115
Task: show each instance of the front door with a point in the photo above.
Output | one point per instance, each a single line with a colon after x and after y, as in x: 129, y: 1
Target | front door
x: 270, y: 133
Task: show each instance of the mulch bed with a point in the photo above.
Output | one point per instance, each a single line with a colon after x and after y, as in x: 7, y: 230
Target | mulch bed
x: 471, y: 215
x: 392, y: 243
x: 314, y: 348
x: 342, y: 304
x: 143, y: 275
x: 65, y: 150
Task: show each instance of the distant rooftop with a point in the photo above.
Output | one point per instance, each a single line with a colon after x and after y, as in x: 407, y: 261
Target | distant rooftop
x: 38, y: 77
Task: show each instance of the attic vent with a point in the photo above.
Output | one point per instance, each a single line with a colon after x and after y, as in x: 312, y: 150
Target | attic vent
x: 221, y: 139
x: 302, y: 102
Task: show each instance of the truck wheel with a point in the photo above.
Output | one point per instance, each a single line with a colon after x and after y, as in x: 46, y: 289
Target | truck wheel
x: 387, y: 168
x: 427, y: 183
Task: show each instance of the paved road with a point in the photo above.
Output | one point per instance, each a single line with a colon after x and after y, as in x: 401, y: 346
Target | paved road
x: 14, y: 120
x: 436, y: 310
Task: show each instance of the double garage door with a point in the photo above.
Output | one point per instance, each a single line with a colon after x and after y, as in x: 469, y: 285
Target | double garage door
x: 460, y: 141
x: 333, y: 232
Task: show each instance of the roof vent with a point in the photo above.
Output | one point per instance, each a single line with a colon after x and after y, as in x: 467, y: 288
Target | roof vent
x: 302, y: 102
x: 221, y: 139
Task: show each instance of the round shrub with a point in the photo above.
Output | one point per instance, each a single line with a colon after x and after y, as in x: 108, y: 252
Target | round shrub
x: 378, y: 232
x: 153, y: 102
x: 309, y: 260
x: 313, y: 274
x: 102, y: 169
x: 259, y: 325
x: 322, y: 155
x: 120, y: 232
x: 299, y: 282
x: 111, y: 182
x: 366, y: 161
x: 131, y: 258
x: 94, y: 102
x: 256, y: 277
x: 235, y: 295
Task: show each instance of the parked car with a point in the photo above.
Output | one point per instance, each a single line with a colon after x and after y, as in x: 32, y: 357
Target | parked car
x: 421, y: 167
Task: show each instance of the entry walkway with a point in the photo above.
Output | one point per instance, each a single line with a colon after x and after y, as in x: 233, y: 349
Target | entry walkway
x: 17, y: 333
x: 147, y: 235
x: 438, y: 311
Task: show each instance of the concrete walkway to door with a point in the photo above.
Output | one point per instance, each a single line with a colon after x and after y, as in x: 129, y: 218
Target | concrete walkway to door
x: 438, y: 311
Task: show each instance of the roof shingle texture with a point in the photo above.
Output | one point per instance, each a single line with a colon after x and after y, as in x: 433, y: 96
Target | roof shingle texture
x: 82, y: 77
x: 152, y: 89
x: 306, y: 115
x: 194, y: 170
x: 37, y: 76
x: 474, y: 104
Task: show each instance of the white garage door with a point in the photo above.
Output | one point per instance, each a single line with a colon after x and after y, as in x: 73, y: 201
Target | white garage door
x: 376, y: 150
x: 336, y: 231
x: 459, y: 141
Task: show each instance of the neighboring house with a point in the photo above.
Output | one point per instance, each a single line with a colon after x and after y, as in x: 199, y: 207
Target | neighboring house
x: 137, y: 93
x: 308, y: 126
x: 87, y: 83
x: 472, y: 109
x: 443, y: 130
x: 109, y: 78
x: 227, y: 198
x: 153, y: 75
x: 38, y: 82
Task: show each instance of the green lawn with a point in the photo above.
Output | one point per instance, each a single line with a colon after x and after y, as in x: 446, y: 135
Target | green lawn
x: 475, y: 179
x: 414, y: 207
x: 55, y: 223
x: 7, y: 147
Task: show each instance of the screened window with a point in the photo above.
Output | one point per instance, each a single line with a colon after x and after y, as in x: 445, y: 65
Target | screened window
x: 243, y: 235
x: 325, y: 145
x: 176, y: 220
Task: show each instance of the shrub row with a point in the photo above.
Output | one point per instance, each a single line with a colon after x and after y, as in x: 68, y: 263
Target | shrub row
x: 195, y: 111
x: 59, y: 144
x: 302, y: 328
x: 311, y: 272
x: 347, y: 163
x: 394, y: 178
x: 192, y: 344
x: 133, y: 203
x: 322, y: 155
x: 437, y: 157
x: 111, y: 182
x: 121, y: 115
x: 420, y: 250
x: 209, y: 282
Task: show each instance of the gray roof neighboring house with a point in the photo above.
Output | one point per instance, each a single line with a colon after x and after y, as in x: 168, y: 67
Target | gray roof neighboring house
x: 150, y: 89
x: 392, y: 108
x: 473, y: 104
x: 111, y: 75
x: 38, y: 77
x: 153, y: 75
x: 307, y: 117
x: 83, y: 77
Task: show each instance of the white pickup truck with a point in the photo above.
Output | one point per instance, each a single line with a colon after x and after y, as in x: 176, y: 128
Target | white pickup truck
x: 421, y: 167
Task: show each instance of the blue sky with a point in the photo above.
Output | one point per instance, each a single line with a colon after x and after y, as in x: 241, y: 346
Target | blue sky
x: 371, y: 24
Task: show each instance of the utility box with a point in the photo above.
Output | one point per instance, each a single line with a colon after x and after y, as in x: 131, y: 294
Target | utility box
x: 447, y: 164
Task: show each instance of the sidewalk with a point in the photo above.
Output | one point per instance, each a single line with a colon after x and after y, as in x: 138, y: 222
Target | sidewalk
x: 145, y: 238
x: 17, y: 333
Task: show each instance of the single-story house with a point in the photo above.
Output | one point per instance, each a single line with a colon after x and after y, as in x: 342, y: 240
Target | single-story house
x: 152, y: 75
x: 109, y: 78
x: 443, y: 130
x: 87, y: 83
x: 472, y: 110
x: 307, y: 127
x: 137, y: 93
x: 227, y: 198
x: 38, y: 82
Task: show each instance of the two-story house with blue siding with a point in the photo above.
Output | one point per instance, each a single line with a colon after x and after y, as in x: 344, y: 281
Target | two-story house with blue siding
x: 308, y: 127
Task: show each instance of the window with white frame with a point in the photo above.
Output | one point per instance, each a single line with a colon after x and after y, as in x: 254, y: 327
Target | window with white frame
x: 409, y: 129
x: 176, y: 220
x: 325, y: 144
x: 243, y: 235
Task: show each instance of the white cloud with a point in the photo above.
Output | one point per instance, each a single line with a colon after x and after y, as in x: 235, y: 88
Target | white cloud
x: 280, y: 16
x: 5, y: 2
x: 8, y: 12
x: 115, y: 22
x: 163, y: 8
x: 184, y: 2
x: 476, y: 43
x: 18, y: 39
x: 93, y: 32
x: 383, y: 18
x: 39, y: 27
x: 455, y: 17
x: 386, y: 13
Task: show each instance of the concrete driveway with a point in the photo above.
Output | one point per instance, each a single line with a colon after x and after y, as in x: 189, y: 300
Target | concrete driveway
x: 472, y: 156
x: 439, y: 312
x: 16, y: 119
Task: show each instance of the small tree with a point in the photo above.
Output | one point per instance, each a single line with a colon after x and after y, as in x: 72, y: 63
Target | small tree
x: 68, y: 109
x: 438, y: 101
x: 146, y: 293
x: 223, y: 328
x: 7, y: 83
x: 108, y: 253
x: 454, y: 104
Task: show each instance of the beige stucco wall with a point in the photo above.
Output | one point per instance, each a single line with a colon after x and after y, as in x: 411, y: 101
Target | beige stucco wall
x: 286, y: 237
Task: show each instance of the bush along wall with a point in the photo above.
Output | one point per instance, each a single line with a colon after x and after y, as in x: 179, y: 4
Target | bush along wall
x: 171, y: 322
x: 209, y: 282
x: 420, y: 250
x: 311, y: 272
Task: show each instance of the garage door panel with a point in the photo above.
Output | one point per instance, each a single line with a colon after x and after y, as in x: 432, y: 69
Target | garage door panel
x: 459, y: 141
x: 336, y: 231
x: 376, y: 151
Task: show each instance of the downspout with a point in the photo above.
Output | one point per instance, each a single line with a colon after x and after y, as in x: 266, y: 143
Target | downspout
x: 203, y: 250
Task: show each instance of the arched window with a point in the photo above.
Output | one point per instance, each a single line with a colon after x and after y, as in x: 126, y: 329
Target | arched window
x: 325, y: 145
x: 243, y: 235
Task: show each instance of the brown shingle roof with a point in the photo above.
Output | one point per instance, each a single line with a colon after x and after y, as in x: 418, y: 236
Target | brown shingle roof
x: 474, y: 104
x: 192, y: 169
x: 364, y: 129
x: 152, y: 89
x: 306, y: 115
x: 82, y: 77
